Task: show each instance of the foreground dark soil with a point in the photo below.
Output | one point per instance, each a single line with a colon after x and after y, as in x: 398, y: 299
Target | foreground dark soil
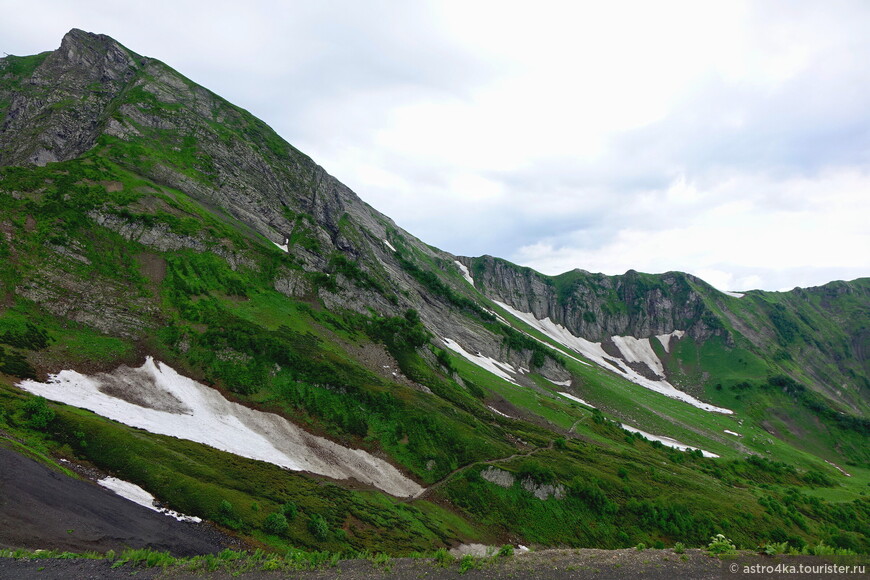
x: 543, y: 565
x: 43, y: 509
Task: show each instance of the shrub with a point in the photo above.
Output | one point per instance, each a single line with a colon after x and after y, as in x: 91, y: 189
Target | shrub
x: 720, y: 545
x: 679, y: 548
x: 466, y: 563
x: 276, y: 523
x: 289, y: 509
x: 774, y: 548
x: 506, y: 550
x: 443, y: 557
x: 318, y: 527
x: 38, y: 414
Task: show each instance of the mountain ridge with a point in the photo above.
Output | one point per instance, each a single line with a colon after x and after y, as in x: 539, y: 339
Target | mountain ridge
x: 143, y: 215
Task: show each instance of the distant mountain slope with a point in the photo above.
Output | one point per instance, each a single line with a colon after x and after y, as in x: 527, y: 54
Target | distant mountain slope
x: 143, y: 215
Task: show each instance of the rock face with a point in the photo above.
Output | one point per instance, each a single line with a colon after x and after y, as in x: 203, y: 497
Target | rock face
x: 94, y: 95
x: 57, y: 107
x: 94, y: 99
x: 597, y: 307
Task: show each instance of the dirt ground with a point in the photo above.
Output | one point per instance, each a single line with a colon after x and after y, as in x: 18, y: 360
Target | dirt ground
x: 627, y: 564
x: 44, y: 509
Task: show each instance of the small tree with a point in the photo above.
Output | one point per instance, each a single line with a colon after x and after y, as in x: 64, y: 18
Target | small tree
x: 38, y: 413
x: 318, y: 527
x: 276, y: 523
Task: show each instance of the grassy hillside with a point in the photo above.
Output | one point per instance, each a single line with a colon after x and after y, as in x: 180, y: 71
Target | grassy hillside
x: 153, y: 242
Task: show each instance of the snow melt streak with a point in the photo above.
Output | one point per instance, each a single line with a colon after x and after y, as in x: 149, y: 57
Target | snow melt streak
x: 465, y: 273
x: 573, y: 398
x: 138, y: 495
x: 594, y: 352
x: 497, y: 368
x: 205, y: 416
x: 667, y: 441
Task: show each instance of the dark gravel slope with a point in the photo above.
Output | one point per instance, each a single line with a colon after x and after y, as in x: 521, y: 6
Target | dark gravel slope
x: 43, y: 509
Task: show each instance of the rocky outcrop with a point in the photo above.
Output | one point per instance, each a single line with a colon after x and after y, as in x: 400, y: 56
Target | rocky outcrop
x: 506, y: 479
x: 57, y: 108
x: 104, y: 305
x: 595, y: 306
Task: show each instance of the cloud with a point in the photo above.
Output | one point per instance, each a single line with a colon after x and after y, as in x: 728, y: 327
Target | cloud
x: 730, y: 140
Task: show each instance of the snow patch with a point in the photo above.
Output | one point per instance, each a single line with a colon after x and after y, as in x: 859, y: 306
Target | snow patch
x: 734, y: 294
x: 500, y: 318
x: 136, y: 494
x: 594, y: 352
x: 667, y: 441
x: 465, y: 273
x: 573, y: 398
x: 498, y: 368
x: 838, y: 468
x: 639, y: 350
x: 732, y: 433
x: 497, y: 412
x: 285, y: 246
x: 389, y: 245
x: 205, y: 416
x: 665, y: 339
x: 562, y: 383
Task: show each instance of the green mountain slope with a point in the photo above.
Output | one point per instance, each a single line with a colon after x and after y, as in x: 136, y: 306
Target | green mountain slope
x: 142, y: 215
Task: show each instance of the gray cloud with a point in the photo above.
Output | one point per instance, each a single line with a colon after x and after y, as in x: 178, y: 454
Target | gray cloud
x: 548, y: 137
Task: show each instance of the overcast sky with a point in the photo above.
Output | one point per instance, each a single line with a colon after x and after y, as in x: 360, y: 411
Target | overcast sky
x: 726, y: 139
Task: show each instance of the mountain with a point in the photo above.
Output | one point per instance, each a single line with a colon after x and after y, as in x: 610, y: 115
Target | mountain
x: 192, y: 305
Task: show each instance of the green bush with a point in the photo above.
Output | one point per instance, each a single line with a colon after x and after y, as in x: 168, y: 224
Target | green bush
x: 276, y: 524
x: 318, y: 527
x: 720, y: 545
x: 289, y: 509
x: 38, y: 414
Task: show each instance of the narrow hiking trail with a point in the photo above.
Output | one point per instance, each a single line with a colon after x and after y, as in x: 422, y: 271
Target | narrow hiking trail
x: 428, y: 491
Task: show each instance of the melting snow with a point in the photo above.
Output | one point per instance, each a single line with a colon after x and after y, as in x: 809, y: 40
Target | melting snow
x: 156, y: 398
x: 667, y: 441
x: 665, y: 339
x: 285, y: 246
x: 838, y: 468
x: 497, y: 412
x: 465, y: 273
x: 562, y: 383
x: 138, y: 495
x: 732, y: 433
x: 594, y: 352
x: 497, y: 368
x: 639, y: 350
x: 573, y: 398
x: 734, y: 294
x: 389, y: 245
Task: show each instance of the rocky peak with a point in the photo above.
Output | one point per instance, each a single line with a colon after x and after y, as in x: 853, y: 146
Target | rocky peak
x: 96, y: 56
x: 57, y: 110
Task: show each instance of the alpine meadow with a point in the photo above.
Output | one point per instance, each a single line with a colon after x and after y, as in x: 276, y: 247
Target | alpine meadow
x: 195, y: 308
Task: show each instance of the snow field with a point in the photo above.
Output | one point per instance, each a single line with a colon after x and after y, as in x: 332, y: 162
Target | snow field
x: 631, y: 348
x: 203, y: 415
